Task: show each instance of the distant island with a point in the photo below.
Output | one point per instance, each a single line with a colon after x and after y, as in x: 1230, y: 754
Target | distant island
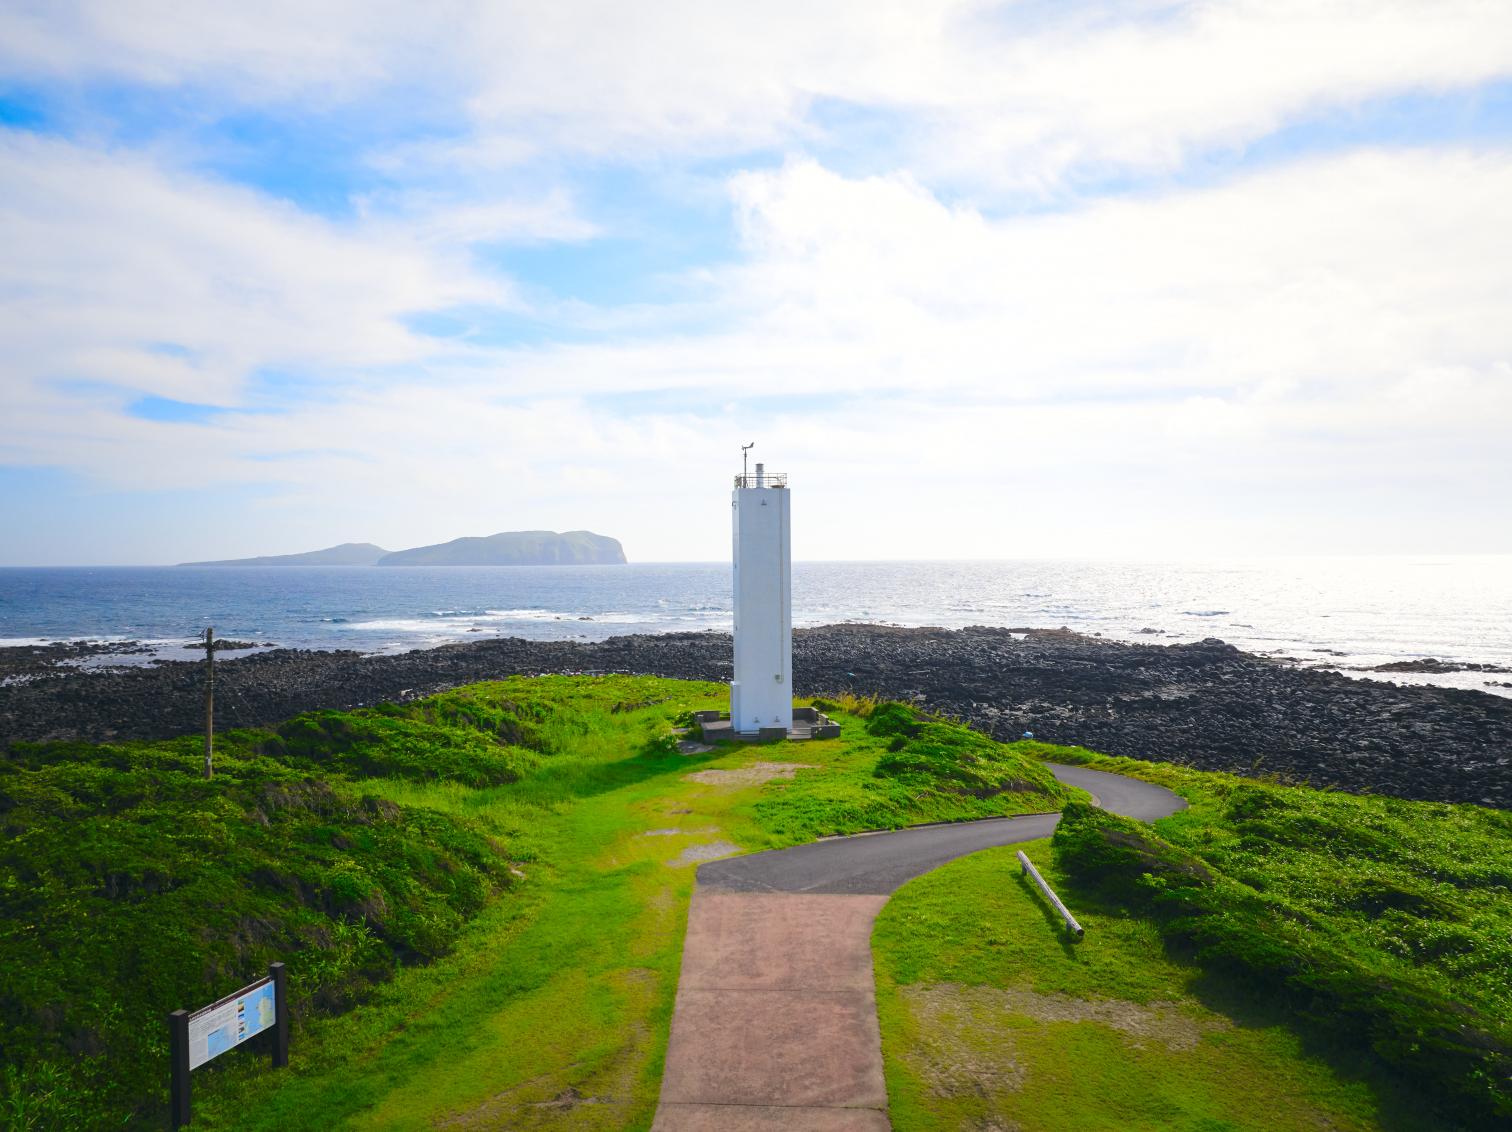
x: 509, y: 548
x: 347, y: 554
x: 515, y: 548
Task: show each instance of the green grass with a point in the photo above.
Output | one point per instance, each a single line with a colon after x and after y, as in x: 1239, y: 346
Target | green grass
x: 1380, y: 928
x: 992, y: 1018
x: 893, y: 767
x: 1381, y: 921
x: 481, y: 897
x: 511, y: 944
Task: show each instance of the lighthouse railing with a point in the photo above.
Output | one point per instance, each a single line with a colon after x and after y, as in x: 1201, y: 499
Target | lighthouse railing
x: 763, y: 479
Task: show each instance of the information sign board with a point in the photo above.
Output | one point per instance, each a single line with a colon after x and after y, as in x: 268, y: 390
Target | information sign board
x: 194, y: 1039
x: 226, y: 1024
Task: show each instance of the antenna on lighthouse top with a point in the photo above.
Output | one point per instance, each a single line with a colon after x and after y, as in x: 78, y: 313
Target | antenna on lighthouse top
x: 745, y: 460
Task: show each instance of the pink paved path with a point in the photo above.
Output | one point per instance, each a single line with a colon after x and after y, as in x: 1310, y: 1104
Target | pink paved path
x: 776, y: 1017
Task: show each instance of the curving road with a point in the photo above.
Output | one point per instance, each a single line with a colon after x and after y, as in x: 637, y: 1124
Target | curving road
x: 882, y: 862
x: 775, y: 1028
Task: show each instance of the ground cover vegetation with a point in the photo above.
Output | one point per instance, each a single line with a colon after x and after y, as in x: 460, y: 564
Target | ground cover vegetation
x: 1377, y: 920
x: 496, y: 878
x: 1286, y: 924
x: 130, y: 884
x: 992, y: 1018
x: 901, y: 767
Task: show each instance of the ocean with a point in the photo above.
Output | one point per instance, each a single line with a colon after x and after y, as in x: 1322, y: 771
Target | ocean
x: 1342, y: 613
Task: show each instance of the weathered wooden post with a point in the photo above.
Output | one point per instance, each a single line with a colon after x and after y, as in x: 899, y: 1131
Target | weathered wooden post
x: 209, y: 699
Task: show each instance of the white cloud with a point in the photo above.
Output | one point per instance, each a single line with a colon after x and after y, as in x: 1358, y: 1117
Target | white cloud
x: 1144, y: 87
x: 109, y: 256
x: 1359, y: 270
x: 272, y: 49
x: 991, y: 93
x: 440, y: 220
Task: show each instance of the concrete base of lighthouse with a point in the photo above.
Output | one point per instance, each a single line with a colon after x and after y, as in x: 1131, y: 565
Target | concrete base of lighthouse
x: 808, y: 723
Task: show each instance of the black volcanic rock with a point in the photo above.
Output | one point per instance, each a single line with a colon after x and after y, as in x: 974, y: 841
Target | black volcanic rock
x: 1431, y: 665
x: 1206, y: 705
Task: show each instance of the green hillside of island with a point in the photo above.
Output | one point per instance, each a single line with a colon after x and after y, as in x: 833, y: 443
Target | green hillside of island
x: 480, y: 898
x: 515, y: 548
x: 508, y: 548
x: 346, y: 554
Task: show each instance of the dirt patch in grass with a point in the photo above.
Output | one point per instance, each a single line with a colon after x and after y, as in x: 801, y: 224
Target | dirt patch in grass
x: 513, y: 1109
x: 959, y: 1049
x: 696, y: 854
x: 753, y: 775
x: 567, y: 1100
x: 510, y: 1110
x: 961, y: 1030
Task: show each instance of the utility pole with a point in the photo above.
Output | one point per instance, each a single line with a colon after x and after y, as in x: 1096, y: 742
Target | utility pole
x: 209, y: 699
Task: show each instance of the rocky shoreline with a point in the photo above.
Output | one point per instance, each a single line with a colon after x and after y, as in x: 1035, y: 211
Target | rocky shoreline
x: 1206, y: 704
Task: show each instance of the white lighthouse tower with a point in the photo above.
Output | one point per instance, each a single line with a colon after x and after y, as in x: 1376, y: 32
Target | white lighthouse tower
x: 761, y: 694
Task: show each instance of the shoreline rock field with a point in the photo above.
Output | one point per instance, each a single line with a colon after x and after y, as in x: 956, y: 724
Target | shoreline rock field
x: 1206, y: 704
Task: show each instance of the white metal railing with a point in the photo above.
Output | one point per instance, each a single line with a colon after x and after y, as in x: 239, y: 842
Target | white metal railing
x: 1071, y: 925
x: 761, y: 479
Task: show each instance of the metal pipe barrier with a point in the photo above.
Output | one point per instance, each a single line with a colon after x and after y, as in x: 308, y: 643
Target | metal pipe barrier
x: 1071, y: 925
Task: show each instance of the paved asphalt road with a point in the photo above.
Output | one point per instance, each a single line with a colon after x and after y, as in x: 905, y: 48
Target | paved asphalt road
x: 880, y: 862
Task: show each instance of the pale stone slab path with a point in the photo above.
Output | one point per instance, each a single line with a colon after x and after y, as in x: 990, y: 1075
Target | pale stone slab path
x: 775, y: 1024
x: 776, y: 1018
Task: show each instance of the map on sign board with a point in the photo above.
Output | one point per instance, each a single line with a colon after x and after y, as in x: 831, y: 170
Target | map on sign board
x: 231, y: 1021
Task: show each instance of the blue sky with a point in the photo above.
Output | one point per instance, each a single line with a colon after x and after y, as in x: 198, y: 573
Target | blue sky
x: 1143, y: 279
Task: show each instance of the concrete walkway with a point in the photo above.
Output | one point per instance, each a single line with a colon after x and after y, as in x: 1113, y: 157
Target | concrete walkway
x: 776, y: 1018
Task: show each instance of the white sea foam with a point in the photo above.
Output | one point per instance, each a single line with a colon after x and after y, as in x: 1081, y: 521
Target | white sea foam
x: 392, y: 625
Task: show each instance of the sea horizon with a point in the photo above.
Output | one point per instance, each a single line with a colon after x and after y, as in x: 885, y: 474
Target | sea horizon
x: 1336, y: 612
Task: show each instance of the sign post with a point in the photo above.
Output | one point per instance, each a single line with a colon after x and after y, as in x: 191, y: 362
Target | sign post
x: 280, y: 1016
x: 178, y: 1045
x: 197, y: 1037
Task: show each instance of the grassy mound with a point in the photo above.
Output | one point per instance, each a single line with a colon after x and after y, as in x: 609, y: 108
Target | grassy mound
x: 131, y: 885
x: 898, y: 766
x: 444, y: 742
x: 1379, y: 920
